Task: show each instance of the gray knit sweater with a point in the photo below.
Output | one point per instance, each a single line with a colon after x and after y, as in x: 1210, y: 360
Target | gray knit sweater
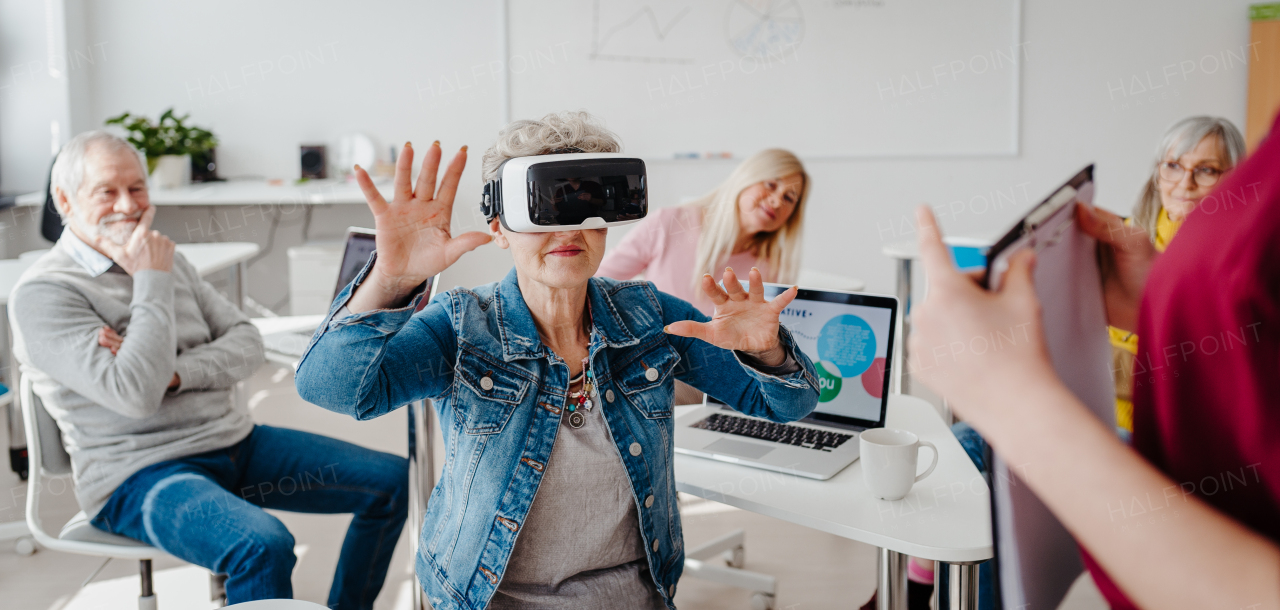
x: 116, y: 414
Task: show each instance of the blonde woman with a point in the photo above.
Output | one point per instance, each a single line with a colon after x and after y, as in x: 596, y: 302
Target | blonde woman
x: 1192, y: 157
x: 753, y: 219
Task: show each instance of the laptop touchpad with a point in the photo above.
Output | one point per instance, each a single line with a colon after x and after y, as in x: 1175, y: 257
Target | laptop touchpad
x: 739, y: 448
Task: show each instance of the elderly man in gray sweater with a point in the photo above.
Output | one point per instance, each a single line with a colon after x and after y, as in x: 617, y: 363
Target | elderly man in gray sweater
x: 135, y: 357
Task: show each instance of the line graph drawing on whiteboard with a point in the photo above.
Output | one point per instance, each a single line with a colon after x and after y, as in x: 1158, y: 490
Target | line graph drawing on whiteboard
x: 637, y: 37
x: 760, y: 28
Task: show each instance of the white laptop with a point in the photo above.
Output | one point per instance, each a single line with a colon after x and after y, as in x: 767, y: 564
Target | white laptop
x: 360, y: 245
x: 849, y: 337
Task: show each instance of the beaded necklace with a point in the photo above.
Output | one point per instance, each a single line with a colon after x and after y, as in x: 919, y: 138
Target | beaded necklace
x: 583, y: 398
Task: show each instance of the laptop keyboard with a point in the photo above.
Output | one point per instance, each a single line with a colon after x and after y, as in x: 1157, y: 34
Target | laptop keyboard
x: 810, y: 438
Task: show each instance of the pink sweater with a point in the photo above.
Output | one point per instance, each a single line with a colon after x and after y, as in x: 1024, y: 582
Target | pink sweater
x: 664, y: 247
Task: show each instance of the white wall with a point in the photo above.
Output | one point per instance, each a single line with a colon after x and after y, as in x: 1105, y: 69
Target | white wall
x: 1102, y: 80
x: 34, y: 73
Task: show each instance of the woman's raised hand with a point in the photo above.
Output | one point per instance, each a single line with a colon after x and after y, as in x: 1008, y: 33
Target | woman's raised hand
x: 414, y: 240
x: 1125, y: 257
x: 743, y: 320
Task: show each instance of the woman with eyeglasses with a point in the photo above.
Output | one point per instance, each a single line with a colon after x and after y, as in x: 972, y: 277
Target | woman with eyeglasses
x: 1192, y: 157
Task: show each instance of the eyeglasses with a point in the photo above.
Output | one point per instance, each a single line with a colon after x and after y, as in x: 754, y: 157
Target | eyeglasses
x: 1202, y: 175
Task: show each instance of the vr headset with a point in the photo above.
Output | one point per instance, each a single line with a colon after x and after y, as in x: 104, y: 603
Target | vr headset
x: 567, y: 192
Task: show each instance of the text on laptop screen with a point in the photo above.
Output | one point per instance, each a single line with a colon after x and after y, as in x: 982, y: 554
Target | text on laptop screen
x: 849, y: 347
x: 849, y: 337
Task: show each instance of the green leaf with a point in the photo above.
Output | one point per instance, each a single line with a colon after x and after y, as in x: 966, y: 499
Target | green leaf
x: 169, y: 135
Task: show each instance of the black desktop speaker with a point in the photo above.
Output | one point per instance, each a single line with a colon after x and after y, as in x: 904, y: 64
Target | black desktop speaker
x: 204, y: 166
x: 314, y: 161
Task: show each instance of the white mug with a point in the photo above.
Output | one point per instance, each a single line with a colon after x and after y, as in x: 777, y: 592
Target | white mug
x: 889, y: 461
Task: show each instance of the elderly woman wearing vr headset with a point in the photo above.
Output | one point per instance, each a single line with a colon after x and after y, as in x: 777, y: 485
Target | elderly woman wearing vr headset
x: 554, y: 388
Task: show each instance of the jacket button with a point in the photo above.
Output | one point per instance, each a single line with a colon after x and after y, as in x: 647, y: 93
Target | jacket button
x: 608, y: 395
x: 635, y: 449
x: 655, y: 546
x: 651, y: 374
x: 486, y: 383
x: 648, y: 502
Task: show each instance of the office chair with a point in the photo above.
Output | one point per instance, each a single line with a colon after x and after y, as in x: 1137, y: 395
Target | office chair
x: 51, y: 229
x: 48, y: 457
x: 700, y: 562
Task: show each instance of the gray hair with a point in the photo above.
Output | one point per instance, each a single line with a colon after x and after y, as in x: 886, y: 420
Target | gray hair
x: 552, y: 133
x: 68, y: 169
x: 1179, y: 140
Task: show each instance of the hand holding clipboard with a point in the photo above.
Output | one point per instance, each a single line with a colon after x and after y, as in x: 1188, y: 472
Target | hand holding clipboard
x: 958, y: 313
x: 1037, y: 330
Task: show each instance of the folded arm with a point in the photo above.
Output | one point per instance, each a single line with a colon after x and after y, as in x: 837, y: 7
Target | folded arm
x: 234, y: 353
x: 60, y: 335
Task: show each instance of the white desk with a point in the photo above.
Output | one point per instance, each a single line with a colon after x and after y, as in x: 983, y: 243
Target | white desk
x: 210, y: 258
x: 812, y: 278
x: 283, y: 324
x: 250, y: 192
x: 207, y: 258
x: 946, y: 517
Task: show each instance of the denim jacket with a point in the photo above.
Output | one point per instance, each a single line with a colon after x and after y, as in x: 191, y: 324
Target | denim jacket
x: 499, y: 392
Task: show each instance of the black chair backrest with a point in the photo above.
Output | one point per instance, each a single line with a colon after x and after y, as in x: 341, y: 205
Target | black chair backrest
x: 50, y: 221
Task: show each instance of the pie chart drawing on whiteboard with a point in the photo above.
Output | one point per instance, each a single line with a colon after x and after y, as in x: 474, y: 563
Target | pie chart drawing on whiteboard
x: 761, y: 28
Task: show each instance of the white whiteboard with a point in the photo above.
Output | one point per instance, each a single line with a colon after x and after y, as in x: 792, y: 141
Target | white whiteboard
x: 820, y: 77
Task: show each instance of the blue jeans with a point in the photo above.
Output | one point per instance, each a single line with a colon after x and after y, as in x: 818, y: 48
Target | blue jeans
x: 207, y: 509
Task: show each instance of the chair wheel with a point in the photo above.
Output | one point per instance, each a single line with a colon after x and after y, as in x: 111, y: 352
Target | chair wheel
x: 24, y: 546
x: 761, y: 601
x: 736, y: 558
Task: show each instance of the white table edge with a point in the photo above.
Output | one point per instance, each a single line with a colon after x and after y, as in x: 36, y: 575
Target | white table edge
x: 970, y: 554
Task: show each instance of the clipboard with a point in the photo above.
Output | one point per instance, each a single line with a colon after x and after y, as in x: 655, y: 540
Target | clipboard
x: 1036, y: 559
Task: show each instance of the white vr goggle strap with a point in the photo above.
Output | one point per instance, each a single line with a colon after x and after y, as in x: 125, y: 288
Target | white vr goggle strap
x: 567, y: 192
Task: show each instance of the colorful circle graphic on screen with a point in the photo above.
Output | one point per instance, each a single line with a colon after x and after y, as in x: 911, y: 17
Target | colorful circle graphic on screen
x: 848, y: 342
x: 873, y: 379
x: 829, y: 381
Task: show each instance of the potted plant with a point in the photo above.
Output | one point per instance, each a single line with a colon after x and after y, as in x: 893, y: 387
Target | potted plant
x: 169, y: 144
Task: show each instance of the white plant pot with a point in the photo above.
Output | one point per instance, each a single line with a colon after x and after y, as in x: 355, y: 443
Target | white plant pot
x: 171, y: 172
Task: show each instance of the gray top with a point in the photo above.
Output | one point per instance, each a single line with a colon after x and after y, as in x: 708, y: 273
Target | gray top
x: 580, y: 546
x: 115, y: 412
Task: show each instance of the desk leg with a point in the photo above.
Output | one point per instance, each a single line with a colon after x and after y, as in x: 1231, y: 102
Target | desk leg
x: 421, y: 481
x: 891, y: 584
x: 239, y: 280
x: 962, y: 585
x: 903, y: 293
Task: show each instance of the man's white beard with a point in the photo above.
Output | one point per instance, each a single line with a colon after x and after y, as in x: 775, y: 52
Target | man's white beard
x: 115, y: 227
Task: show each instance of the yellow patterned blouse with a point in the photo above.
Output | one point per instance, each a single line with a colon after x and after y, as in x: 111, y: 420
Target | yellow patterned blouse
x: 1124, y: 344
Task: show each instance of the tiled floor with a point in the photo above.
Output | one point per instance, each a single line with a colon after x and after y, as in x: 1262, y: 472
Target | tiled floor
x: 814, y: 570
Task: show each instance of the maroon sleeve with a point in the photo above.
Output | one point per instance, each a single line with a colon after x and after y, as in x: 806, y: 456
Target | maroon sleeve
x: 1206, y: 383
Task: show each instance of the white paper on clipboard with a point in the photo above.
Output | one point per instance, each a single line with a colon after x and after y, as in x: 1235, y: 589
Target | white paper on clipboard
x: 1037, y: 559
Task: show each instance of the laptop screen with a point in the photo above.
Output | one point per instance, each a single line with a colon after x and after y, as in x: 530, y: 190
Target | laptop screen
x: 360, y: 245
x: 849, y: 337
